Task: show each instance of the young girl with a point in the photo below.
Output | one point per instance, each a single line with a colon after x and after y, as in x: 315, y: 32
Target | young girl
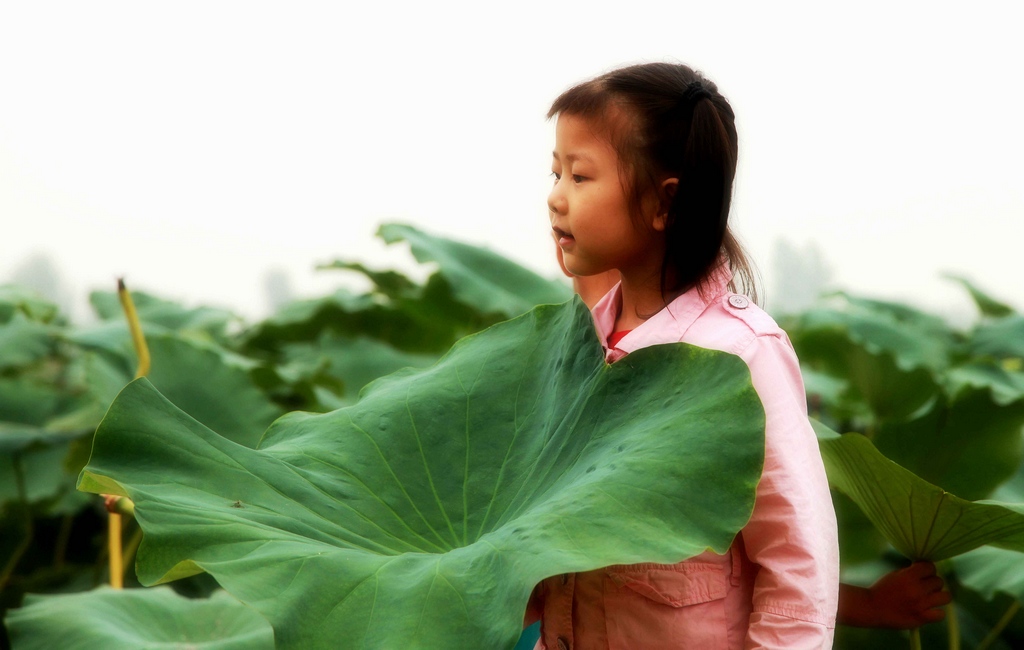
x: 643, y: 168
x: 902, y: 599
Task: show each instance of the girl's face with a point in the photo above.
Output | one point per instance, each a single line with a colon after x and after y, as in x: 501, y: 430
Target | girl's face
x: 589, y: 207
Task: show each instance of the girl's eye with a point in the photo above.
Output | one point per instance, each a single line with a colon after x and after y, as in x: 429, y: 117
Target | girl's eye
x: 556, y: 176
x: 576, y: 178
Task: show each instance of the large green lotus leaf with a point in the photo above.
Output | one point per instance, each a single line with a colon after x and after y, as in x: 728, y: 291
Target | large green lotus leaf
x: 97, y: 378
x: 140, y: 619
x: 410, y: 325
x: 211, y: 384
x: 830, y: 399
x: 987, y: 305
x: 1006, y: 386
x: 28, y: 400
x: 989, y: 570
x: 472, y: 288
x: 15, y: 299
x: 33, y: 467
x: 889, y: 364
x: 24, y: 341
x: 431, y: 306
x: 478, y: 276
x: 354, y: 361
x: 825, y: 389
x: 921, y: 520
x: 41, y: 468
x: 424, y: 515
x: 1012, y: 491
x: 389, y: 283
x: 25, y: 406
x: 859, y: 539
x: 303, y: 320
x: 1002, y: 338
x: 15, y: 437
x: 931, y: 326
x: 914, y: 338
x: 968, y: 444
x: 209, y: 322
x: 113, y: 340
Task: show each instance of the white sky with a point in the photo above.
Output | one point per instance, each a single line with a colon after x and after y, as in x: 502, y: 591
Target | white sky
x: 191, y: 146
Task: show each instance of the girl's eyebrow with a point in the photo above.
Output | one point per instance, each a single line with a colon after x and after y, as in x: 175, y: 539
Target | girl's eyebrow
x: 571, y: 157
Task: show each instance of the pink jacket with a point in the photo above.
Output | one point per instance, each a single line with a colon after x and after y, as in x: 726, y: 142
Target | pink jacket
x: 778, y: 585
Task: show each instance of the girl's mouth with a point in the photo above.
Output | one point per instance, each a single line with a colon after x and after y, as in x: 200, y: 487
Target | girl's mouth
x: 563, y: 238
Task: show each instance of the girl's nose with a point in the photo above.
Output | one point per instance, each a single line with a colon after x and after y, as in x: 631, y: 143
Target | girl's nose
x: 556, y: 200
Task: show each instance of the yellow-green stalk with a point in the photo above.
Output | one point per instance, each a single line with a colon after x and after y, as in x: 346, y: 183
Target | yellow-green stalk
x: 114, y: 517
x: 135, y: 327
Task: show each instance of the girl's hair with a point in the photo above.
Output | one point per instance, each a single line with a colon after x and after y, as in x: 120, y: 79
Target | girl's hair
x: 677, y: 126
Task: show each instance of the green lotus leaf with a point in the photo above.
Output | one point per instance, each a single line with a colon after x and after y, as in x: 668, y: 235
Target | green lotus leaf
x: 28, y: 400
x: 27, y: 405
x: 17, y: 299
x: 824, y: 388
x: 354, y: 361
x: 410, y: 325
x: 987, y: 305
x: 913, y: 338
x: 922, y: 521
x: 930, y: 325
x: 968, y: 443
x: 41, y: 469
x: 478, y: 277
x: 113, y: 339
x: 994, y: 575
x: 1006, y: 386
x: 391, y: 284
x: 471, y: 289
x: 97, y: 379
x: 989, y: 570
x: 24, y: 341
x: 1012, y: 490
x: 859, y: 540
x: 424, y: 515
x: 830, y: 399
x: 1002, y: 338
x: 209, y: 322
x: 211, y: 384
x: 888, y: 365
x: 141, y: 619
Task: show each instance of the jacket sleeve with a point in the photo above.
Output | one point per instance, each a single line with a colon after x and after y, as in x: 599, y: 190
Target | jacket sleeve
x: 792, y: 532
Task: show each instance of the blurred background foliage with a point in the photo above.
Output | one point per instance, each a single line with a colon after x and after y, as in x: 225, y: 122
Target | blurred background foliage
x: 944, y: 403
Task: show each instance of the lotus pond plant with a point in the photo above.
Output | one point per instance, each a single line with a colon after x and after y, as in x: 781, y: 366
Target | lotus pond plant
x: 293, y: 490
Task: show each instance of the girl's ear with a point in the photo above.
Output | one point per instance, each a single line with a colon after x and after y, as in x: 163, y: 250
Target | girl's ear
x: 666, y: 192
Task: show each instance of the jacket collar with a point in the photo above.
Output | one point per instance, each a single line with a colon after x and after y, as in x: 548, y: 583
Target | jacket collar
x: 668, y: 325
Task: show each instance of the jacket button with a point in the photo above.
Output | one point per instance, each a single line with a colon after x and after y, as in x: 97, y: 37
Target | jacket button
x: 739, y: 302
x: 562, y: 643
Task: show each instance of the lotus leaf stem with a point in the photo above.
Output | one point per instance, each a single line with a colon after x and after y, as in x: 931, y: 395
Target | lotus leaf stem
x: 130, y: 548
x: 114, y: 549
x: 953, y: 626
x: 915, y: 639
x: 19, y: 479
x: 994, y: 633
x: 142, y: 351
x: 63, y: 537
x: 135, y: 327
